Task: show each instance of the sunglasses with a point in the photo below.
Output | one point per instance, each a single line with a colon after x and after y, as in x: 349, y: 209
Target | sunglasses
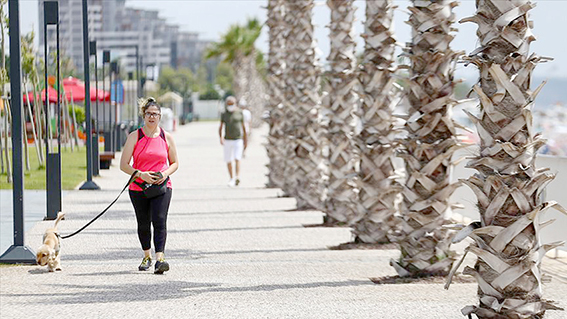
x: 152, y: 114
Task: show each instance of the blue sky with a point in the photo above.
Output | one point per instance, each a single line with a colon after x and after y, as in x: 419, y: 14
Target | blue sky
x: 212, y: 17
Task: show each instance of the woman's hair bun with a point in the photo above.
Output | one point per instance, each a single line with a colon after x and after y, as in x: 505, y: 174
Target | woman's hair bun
x: 144, y: 101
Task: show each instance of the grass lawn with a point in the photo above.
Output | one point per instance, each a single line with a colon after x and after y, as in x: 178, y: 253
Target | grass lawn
x: 73, y: 165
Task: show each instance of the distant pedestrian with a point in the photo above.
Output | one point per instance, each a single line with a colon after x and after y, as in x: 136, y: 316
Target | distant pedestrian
x: 155, y: 158
x: 247, y: 116
x: 167, y: 119
x: 234, y: 139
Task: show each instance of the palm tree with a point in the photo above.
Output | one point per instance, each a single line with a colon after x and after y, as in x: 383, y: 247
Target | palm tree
x: 276, y: 85
x: 376, y: 142
x: 430, y: 143
x: 237, y: 47
x: 340, y: 105
x: 507, y: 184
x: 303, y: 173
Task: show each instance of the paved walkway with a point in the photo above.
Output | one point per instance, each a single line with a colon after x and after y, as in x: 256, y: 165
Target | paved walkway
x: 34, y: 207
x: 234, y: 253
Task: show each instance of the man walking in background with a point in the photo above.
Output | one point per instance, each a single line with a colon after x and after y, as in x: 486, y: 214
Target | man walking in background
x: 234, y: 139
x: 247, y: 116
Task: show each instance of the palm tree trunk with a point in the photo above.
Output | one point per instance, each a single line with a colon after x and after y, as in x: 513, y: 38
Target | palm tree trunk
x: 239, y: 81
x: 39, y: 115
x: 302, y: 99
x: 75, y: 126
x: 65, y: 124
x: 7, y: 130
x: 36, y: 138
x: 340, y: 105
x: 430, y: 144
x: 376, y: 141
x: 25, y: 139
x: 256, y: 93
x: 507, y: 184
x: 276, y: 86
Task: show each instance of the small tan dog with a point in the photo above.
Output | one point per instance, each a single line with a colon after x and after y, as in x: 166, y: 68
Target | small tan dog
x: 48, y: 253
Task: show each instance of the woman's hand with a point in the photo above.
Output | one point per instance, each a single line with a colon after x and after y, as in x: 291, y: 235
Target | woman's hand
x: 148, y: 177
x: 162, y: 179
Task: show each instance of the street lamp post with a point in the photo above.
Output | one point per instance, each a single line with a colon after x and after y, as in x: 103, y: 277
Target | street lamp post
x: 107, y: 139
x: 138, y: 85
x: 96, y: 155
x: 139, y: 63
x: 112, y: 128
x: 89, y: 184
x: 132, y: 112
x: 18, y: 252
x: 142, y: 83
x: 115, y: 68
x: 53, y: 164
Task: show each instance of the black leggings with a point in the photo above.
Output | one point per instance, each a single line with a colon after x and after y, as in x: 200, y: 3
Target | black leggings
x: 151, y: 211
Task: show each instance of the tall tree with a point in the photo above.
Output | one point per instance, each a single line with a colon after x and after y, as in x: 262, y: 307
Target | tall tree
x: 276, y: 86
x: 303, y: 173
x: 181, y: 81
x: 237, y: 47
x: 339, y: 106
x: 376, y: 141
x: 430, y: 142
x: 507, y: 184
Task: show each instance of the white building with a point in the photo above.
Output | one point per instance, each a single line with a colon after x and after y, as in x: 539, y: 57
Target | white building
x: 71, y: 27
x: 119, y: 28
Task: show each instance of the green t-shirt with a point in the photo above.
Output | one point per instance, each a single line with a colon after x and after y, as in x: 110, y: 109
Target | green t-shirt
x: 233, y: 124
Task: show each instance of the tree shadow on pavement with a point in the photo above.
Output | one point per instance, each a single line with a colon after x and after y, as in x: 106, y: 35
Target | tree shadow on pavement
x: 164, y: 290
x: 122, y: 231
x: 264, y: 251
x: 126, y: 254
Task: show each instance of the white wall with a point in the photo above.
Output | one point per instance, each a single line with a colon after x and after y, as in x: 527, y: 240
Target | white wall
x: 207, y: 110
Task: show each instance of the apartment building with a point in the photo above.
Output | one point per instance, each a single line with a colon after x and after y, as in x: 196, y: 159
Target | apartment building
x: 119, y: 28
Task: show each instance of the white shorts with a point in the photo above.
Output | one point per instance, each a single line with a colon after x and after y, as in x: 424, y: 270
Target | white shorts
x: 233, y: 150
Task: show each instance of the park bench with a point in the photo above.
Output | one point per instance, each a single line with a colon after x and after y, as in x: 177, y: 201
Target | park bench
x: 106, y: 159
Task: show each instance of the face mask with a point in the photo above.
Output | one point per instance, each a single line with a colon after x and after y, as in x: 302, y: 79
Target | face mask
x: 231, y: 108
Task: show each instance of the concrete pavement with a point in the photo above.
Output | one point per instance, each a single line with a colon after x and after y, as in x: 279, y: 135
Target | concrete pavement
x: 34, y: 207
x: 234, y: 253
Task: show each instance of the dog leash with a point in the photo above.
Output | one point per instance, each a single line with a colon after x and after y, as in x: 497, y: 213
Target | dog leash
x: 132, y: 179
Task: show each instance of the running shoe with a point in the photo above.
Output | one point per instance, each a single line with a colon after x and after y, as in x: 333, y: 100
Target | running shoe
x: 161, y: 267
x: 146, y: 264
x: 237, y: 181
x: 232, y: 183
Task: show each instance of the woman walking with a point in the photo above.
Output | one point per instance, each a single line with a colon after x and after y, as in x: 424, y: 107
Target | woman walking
x: 154, y: 160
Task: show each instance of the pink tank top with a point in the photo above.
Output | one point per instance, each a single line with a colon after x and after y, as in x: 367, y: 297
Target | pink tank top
x: 150, y: 155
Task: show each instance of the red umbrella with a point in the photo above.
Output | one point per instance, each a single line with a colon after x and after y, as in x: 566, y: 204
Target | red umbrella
x: 74, y: 87
x: 102, y: 95
x: 52, y: 96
